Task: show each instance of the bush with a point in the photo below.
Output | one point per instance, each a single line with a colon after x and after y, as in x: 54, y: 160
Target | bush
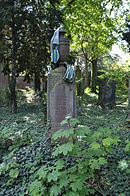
x: 79, y: 154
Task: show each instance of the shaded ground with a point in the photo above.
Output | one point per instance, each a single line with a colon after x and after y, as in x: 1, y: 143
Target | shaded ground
x: 22, y: 140
x: 117, y: 181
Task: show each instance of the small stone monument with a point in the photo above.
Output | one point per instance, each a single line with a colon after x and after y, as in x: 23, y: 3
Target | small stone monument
x: 110, y: 95
x: 107, y: 94
x: 61, y: 95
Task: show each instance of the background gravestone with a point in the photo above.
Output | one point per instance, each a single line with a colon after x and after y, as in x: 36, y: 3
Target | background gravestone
x: 61, y: 95
x: 107, y: 94
x: 110, y: 94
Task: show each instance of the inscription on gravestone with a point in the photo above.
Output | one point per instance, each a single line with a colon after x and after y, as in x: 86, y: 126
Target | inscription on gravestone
x: 61, y: 98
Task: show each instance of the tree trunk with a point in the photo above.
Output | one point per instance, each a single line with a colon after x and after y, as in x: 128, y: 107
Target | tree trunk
x: 129, y: 94
x: 37, y: 82
x: 12, y: 84
x: 86, y: 73
x: 94, y: 75
x: 128, y: 118
x: 79, y: 81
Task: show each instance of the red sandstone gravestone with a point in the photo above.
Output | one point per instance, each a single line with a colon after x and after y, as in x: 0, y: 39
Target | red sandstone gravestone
x: 61, y: 98
x: 61, y: 95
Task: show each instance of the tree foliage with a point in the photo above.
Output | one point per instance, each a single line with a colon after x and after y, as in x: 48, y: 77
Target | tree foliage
x: 26, y: 28
x: 35, y: 22
x: 94, y: 27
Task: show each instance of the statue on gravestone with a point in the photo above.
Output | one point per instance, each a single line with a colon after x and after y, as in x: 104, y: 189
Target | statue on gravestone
x: 54, y: 46
x: 69, y: 74
x: 58, y: 55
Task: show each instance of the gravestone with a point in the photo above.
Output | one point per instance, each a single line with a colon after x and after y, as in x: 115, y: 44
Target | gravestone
x: 110, y: 94
x: 107, y: 94
x: 61, y: 95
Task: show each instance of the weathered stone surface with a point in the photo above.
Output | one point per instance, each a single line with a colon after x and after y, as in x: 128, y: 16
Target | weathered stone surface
x: 107, y: 94
x: 61, y: 98
x: 110, y: 93
x: 64, y: 46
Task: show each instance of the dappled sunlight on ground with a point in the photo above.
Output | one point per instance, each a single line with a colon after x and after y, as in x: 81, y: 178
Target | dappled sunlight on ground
x: 94, y: 116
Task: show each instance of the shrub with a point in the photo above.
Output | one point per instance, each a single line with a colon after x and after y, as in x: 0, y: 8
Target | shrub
x: 78, y: 160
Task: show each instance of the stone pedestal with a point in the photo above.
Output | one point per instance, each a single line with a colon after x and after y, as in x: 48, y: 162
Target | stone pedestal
x: 61, y: 98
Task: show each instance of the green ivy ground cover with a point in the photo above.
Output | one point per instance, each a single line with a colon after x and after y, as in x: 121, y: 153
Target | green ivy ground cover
x: 116, y: 179
x: 23, y: 149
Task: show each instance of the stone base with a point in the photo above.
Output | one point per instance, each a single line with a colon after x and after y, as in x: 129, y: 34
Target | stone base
x: 61, y: 98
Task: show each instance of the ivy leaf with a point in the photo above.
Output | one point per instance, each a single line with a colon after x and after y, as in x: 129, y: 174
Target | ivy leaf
x: 59, y: 164
x: 102, y: 161
x: 105, y: 131
x: 115, y: 140
x: 42, y: 172
x: 95, y: 145
x: 63, y: 133
x: 64, y: 183
x: 82, y: 130
x: 35, y: 187
x: 58, y: 134
x: 68, y: 132
x: 53, y: 176
x: 107, y: 141
x: 74, y: 121
x: 65, y: 121
x: 14, y: 173
x: 76, y: 186
x: 55, y: 190
x: 97, y: 135
x: 94, y: 164
x: 72, y: 170
x: 127, y: 147
x: 70, y: 193
x: 65, y: 148
x: 128, y: 171
x: 2, y: 167
x: 63, y: 179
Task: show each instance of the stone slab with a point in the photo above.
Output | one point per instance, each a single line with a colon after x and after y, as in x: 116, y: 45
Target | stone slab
x: 61, y: 98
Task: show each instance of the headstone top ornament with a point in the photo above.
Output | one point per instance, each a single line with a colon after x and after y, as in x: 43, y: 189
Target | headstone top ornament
x: 54, y: 46
x: 59, y: 47
x: 60, y: 52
